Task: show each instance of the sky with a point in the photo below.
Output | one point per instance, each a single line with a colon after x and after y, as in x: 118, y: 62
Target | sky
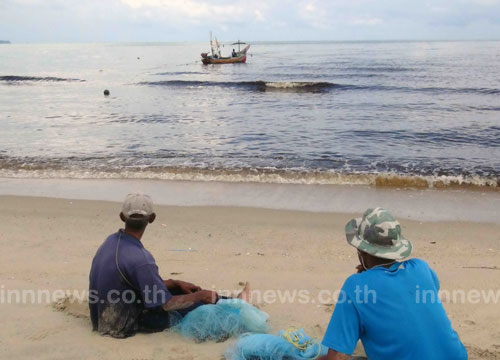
x: 251, y: 20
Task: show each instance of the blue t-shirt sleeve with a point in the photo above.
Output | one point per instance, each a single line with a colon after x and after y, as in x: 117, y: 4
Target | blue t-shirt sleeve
x: 343, y: 332
x: 435, y: 278
x: 152, y: 290
x: 425, y: 267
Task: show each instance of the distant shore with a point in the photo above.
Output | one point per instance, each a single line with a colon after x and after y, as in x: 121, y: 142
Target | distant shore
x: 4, y: 42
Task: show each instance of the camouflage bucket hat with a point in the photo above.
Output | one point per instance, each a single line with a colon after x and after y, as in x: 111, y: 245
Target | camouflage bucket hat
x: 378, y: 233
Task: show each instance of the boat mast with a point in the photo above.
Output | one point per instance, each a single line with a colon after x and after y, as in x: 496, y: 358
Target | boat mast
x: 218, y: 47
x: 211, y: 44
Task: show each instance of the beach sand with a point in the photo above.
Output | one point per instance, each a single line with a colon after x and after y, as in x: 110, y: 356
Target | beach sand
x: 49, y: 244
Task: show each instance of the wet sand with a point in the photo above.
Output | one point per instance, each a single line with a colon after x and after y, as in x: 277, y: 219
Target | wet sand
x: 478, y: 205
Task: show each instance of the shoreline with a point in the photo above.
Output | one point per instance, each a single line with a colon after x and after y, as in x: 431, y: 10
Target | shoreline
x: 253, y: 175
x: 49, y: 244
x: 416, y: 204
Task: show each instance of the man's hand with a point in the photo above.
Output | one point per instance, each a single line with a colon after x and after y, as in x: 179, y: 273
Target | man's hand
x: 184, y: 301
x: 207, y: 296
x: 186, y: 287
x: 334, y: 355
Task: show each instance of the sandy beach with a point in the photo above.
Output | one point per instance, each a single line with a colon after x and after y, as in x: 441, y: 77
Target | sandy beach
x: 48, y: 244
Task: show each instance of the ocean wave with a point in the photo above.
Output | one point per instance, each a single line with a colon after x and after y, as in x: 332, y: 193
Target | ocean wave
x: 480, y: 108
x: 484, y: 91
x: 313, y: 86
x: 252, y: 175
x: 431, y: 90
x: 17, y: 78
x: 180, y: 73
x: 379, y: 68
x: 467, y: 136
x: 295, y: 86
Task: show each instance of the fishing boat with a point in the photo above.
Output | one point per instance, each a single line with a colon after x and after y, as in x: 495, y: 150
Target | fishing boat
x: 216, y: 58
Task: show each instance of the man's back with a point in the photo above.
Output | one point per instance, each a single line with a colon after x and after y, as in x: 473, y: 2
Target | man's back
x: 396, y: 313
x: 124, y: 280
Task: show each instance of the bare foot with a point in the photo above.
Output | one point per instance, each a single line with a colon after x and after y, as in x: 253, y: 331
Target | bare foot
x: 245, y: 293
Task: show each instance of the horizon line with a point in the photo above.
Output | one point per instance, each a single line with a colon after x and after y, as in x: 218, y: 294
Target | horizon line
x: 10, y: 42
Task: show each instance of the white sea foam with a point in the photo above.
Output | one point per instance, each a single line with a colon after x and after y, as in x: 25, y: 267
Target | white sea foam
x: 288, y: 85
x: 270, y: 176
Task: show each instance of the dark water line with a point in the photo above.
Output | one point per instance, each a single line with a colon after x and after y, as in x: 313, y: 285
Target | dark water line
x: 16, y: 78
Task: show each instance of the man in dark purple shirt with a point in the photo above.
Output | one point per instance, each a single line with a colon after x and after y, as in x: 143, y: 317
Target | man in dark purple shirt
x: 126, y: 292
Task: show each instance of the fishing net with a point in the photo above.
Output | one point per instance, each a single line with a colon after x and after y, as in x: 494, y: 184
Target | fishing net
x: 291, y: 344
x: 227, y: 318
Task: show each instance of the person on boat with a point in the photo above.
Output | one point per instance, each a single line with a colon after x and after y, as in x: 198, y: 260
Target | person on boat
x: 390, y: 304
x: 234, y: 54
x: 126, y: 291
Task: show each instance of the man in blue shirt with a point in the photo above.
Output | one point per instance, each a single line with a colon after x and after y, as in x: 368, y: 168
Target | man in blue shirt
x: 126, y: 292
x: 392, y: 306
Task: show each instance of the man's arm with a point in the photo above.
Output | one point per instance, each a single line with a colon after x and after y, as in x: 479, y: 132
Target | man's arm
x: 170, y: 284
x: 334, y: 355
x: 342, y: 333
x: 184, y: 301
x: 184, y: 286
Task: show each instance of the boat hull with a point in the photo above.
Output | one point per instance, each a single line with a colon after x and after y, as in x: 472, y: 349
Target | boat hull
x: 210, y: 60
x: 241, y: 58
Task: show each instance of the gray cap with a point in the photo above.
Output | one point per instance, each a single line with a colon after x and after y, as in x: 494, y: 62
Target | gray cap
x: 139, y: 204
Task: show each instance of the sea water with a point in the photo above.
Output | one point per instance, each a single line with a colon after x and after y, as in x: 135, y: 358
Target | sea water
x: 409, y: 114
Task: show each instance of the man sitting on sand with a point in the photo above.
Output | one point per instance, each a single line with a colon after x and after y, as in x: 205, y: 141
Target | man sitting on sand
x: 387, y: 304
x: 126, y: 292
